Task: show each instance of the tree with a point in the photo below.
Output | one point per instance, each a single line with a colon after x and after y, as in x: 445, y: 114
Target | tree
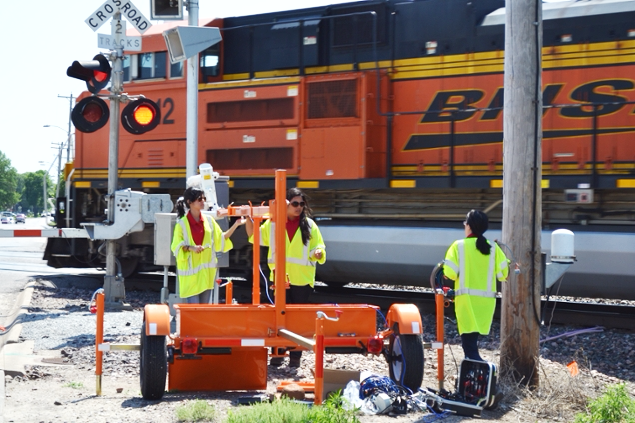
x: 33, y: 190
x: 9, y: 195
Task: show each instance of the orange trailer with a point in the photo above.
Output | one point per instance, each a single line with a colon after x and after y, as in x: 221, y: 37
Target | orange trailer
x: 225, y: 346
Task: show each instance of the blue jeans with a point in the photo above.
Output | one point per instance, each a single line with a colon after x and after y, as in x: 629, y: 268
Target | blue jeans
x: 202, y: 298
x: 469, y: 342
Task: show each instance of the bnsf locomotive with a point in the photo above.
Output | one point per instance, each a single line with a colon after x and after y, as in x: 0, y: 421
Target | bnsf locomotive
x: 389, y: 115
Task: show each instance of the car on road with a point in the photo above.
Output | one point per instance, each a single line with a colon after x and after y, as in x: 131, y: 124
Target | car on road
x: 7, y: 219
x: 20, y: 218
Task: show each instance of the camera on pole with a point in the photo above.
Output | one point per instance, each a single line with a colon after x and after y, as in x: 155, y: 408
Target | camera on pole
x: 166, y: 9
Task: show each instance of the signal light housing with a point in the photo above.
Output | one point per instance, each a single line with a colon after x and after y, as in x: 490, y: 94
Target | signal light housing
x: 90, y: 114
x: 140, y: 116
x: 95, y: 72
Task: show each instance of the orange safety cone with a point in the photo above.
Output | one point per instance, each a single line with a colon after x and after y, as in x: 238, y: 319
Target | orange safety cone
x: 573, y: 368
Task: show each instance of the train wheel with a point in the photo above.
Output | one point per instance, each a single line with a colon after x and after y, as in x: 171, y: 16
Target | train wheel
x: 153, y: 369
x: 406, y: 360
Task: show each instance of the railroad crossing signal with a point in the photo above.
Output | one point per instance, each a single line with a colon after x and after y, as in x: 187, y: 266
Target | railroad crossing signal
x: 92, y: 113
x: 140, y: 116
x: 95, y: 72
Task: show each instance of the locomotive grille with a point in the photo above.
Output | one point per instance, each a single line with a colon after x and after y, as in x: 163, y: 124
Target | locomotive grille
x: 252, y: 158
x: 332, y: 99
x: 250, y: 110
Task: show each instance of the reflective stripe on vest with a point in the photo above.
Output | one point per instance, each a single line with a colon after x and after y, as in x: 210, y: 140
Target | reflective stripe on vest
x: 186, y: 236
x: 463, y: 290
x: 303, y: 261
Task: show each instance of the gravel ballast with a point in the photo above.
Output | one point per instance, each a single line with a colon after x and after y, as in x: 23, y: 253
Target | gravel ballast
x: 59, y: 323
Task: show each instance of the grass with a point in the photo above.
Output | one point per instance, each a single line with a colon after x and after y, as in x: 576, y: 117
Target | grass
x: 614, y: 406
x: 288, y: 411
x: 195, y: 411
x: 74, y: 385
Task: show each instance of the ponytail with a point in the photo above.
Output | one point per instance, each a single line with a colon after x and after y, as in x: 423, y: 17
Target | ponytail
x: 180, y: 207
x: 478, y: 223
x: 482, y: 245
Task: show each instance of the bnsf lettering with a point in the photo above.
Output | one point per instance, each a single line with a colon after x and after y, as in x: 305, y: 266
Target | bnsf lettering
x: 453, y: 101
x: 460, y: 105
x: 587, y: 93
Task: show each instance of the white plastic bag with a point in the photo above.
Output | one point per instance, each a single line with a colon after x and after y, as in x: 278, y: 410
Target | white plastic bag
x: 351, y: 396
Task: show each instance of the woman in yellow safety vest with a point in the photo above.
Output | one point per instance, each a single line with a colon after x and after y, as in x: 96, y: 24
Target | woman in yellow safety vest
x: 304, y: 249
x: 476, y: 264
x: 195, y: 242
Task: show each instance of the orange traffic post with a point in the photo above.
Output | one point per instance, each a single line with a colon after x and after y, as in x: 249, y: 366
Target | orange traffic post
x: 319, y: 360
x: 99, y: 339
x: 255, y: 293
x: 229, y: 292
x: 440, y: 304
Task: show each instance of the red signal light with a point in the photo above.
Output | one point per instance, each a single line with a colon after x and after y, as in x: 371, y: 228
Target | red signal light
x: 140, y: 116
x: 95, y: 72
x: 189, y: 346
x: 90, y: 114
x: 375, y: 345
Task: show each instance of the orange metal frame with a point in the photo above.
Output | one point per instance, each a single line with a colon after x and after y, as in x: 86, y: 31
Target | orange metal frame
x: 233, y: 339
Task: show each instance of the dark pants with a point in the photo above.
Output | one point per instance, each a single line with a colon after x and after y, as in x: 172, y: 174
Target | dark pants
x: 469, y: 342
x: 298, y: 295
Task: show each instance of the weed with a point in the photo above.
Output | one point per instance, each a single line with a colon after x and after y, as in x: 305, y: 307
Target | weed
x: 195, y: 411
x: 74, y: 385
x: 615, y: 406
x: 288, y: 411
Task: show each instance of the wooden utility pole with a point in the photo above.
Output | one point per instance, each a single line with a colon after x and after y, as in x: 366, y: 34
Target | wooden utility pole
x: 522, y: 203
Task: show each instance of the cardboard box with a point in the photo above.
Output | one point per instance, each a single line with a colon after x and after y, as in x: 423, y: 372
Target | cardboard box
x: 338, y: 379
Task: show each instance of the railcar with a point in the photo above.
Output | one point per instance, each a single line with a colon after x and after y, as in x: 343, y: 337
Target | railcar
x: 389, y: 115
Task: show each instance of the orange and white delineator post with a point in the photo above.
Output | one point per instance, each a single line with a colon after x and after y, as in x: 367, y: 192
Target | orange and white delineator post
x: 440, y: 305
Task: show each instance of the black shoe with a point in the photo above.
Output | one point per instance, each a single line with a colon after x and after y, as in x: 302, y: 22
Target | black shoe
x: 295, y: 361
x: 276, y: 361
x: 496, y: 400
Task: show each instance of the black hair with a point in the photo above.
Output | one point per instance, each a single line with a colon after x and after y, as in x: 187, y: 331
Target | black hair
x: 306, y: 213
x: 183, y: 203
x: 478, y: 223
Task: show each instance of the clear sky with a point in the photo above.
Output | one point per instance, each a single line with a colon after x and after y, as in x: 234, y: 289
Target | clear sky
x: 41, y: 38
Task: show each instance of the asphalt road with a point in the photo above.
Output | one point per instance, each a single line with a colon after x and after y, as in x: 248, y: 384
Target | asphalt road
x: 20, y: 262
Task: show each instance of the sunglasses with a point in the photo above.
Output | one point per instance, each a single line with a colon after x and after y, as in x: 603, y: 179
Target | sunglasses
x: 296, y: 204
x: 201, y: 199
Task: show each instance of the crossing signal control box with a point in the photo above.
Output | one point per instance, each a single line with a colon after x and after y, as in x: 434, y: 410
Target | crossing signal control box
x: 582, y: 196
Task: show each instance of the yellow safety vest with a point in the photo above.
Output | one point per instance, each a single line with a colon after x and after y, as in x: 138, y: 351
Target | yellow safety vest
x: 475, y: 295
x: 197, y: 272
x: 300, y: 264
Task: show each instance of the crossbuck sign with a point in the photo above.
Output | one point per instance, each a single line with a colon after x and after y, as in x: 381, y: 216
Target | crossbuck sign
x: 118, y: 39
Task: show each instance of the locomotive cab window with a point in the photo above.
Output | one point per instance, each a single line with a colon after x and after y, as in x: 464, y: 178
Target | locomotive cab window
x: 126, y: 68
x: 210, y: 63
x: 176, y: 70
x: 151, y: 65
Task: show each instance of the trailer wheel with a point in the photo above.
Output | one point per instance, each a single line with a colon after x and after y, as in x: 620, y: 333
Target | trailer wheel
x: 406, y: 360
x: 154, y: 367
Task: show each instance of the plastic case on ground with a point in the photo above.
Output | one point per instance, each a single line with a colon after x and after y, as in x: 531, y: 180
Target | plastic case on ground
x: 475, y: 389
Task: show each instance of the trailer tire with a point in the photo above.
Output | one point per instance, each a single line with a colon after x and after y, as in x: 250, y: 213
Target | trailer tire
x: 154, y: 365
x: 406, y: 360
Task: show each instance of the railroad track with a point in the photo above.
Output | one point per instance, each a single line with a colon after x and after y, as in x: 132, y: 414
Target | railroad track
x: 554, y: 312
